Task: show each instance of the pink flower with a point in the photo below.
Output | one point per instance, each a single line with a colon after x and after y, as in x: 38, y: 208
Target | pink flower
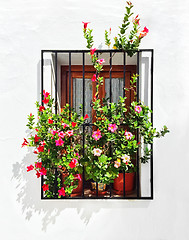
x: 86, y: 116
x: 78, y: 176
x: 43, y: 171
x: 92, y: 51
x: 77, y: 154
x: 53, y: 132
x: 65, y: 125
x: 143, y: 33
x: 136, y: 20
x: 36, y: 138
x: 73, y: 163
x: 45, y: 187
x: 38, y: 164
x: 61, y: 134
x: 41, y: 108
x: 61, y: 192
x: 50, y: 121
x: 96, y: 135
x: 46, y: 94
x: 29, y: 168
x: 25, y: 143
x: 138, y: 109
x: 45, y: 101
x: 112, y: 127
x: 97, y: 152
x: 59, y: 142
x: 85, y: 25
x: 93, y: 79
x: 69, y: 133
x: 100, y: 61
x: 40, y: 149
x: 117, y: 164
x: 128, y: 135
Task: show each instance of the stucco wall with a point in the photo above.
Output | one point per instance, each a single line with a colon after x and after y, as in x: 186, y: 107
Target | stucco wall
x: 26, y: 27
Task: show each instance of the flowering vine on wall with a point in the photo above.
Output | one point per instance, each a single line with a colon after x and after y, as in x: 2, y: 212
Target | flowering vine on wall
x: 57, y: 139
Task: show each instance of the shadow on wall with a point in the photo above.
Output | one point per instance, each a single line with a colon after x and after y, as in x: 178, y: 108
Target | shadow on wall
x: 29, y: 195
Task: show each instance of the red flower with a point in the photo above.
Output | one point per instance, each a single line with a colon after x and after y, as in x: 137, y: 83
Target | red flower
x: 85, y: 25
x: 40, y: 148
x: 73, y: 163
x: 86, y: 116
x: 36, y: 138
x: 37, y: 130
x: 92, y: 51
x: 29, y: 168
x: 38, y: 164
x: 45, y: 101
x: 43, y: 143
x: 46, y: 94
x: 61, y: 192
x: 74, y: 124
x: 31, y: 115
x: 93, y: 79
x: 45, y: 187
x: 43, y: 171
x: 25, y: 143
x: 50, y: 121
x: 35, y: 152
x: 41, y: 108
x: 38, y: 174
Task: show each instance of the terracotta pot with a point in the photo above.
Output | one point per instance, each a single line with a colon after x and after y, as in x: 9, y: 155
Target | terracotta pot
x: 129, y: 183
x: 77, y: 191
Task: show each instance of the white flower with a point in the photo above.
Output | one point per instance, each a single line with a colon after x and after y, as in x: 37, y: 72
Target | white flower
x: 97, y: 152
x: 126, y: 158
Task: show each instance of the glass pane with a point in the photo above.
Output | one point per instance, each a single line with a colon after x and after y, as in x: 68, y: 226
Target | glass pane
x: 117, y: 88
x: 78, y: 95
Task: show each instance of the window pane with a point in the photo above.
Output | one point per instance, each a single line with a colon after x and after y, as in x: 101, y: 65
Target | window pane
x: 117, y: 88
x: 78, y: 95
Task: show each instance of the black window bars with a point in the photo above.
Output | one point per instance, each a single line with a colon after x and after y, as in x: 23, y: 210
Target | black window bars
x: 141, y: 60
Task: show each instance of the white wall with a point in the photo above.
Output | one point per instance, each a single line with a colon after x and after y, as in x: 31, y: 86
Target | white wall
x: 26, y: 27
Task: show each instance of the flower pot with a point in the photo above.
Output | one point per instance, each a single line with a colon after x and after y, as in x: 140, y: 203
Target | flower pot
x: 101, y: 188
x: 77, y: 191
x: 129, y: 183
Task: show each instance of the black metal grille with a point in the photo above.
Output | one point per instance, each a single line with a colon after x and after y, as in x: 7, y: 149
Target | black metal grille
x: 109, y: 195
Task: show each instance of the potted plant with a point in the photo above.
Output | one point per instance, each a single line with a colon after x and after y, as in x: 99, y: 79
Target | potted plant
x: 56, y: 140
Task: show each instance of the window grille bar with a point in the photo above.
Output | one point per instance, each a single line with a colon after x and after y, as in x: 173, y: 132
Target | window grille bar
x: 70, y: 61
x: 42, y: 63
x: 138, y: 176
x: 97, y: 182
x: 151, y: 158
x: 83, y: 174
x: 124, y: 70
x: 110, y: 101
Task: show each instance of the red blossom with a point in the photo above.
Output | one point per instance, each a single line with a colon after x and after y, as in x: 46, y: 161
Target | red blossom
x: 86, y: 116
x: 31, y: 115
x: 93, y: 79
x: 29, y: 168
x: 37, y: 130
x: 45, y: 101
x: 92, y: 51
x: 36, y: 138
x: 73, y: 163
x: 35, y: 152
x: 61, y: 192
x: 46, y: 94
x: 50, y: 121
x: 74, y: 124
x: 85, y: 25
x: 43, y: 143
x: 38, y: 174
x: 45, y: 187
x: 25, y: 143
x: 38, y: 164
x: 40, y: 148
x: 41, y: 108
x: 43, y: 171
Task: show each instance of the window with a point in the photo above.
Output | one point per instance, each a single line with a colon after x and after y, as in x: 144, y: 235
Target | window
x: 67, y: 75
